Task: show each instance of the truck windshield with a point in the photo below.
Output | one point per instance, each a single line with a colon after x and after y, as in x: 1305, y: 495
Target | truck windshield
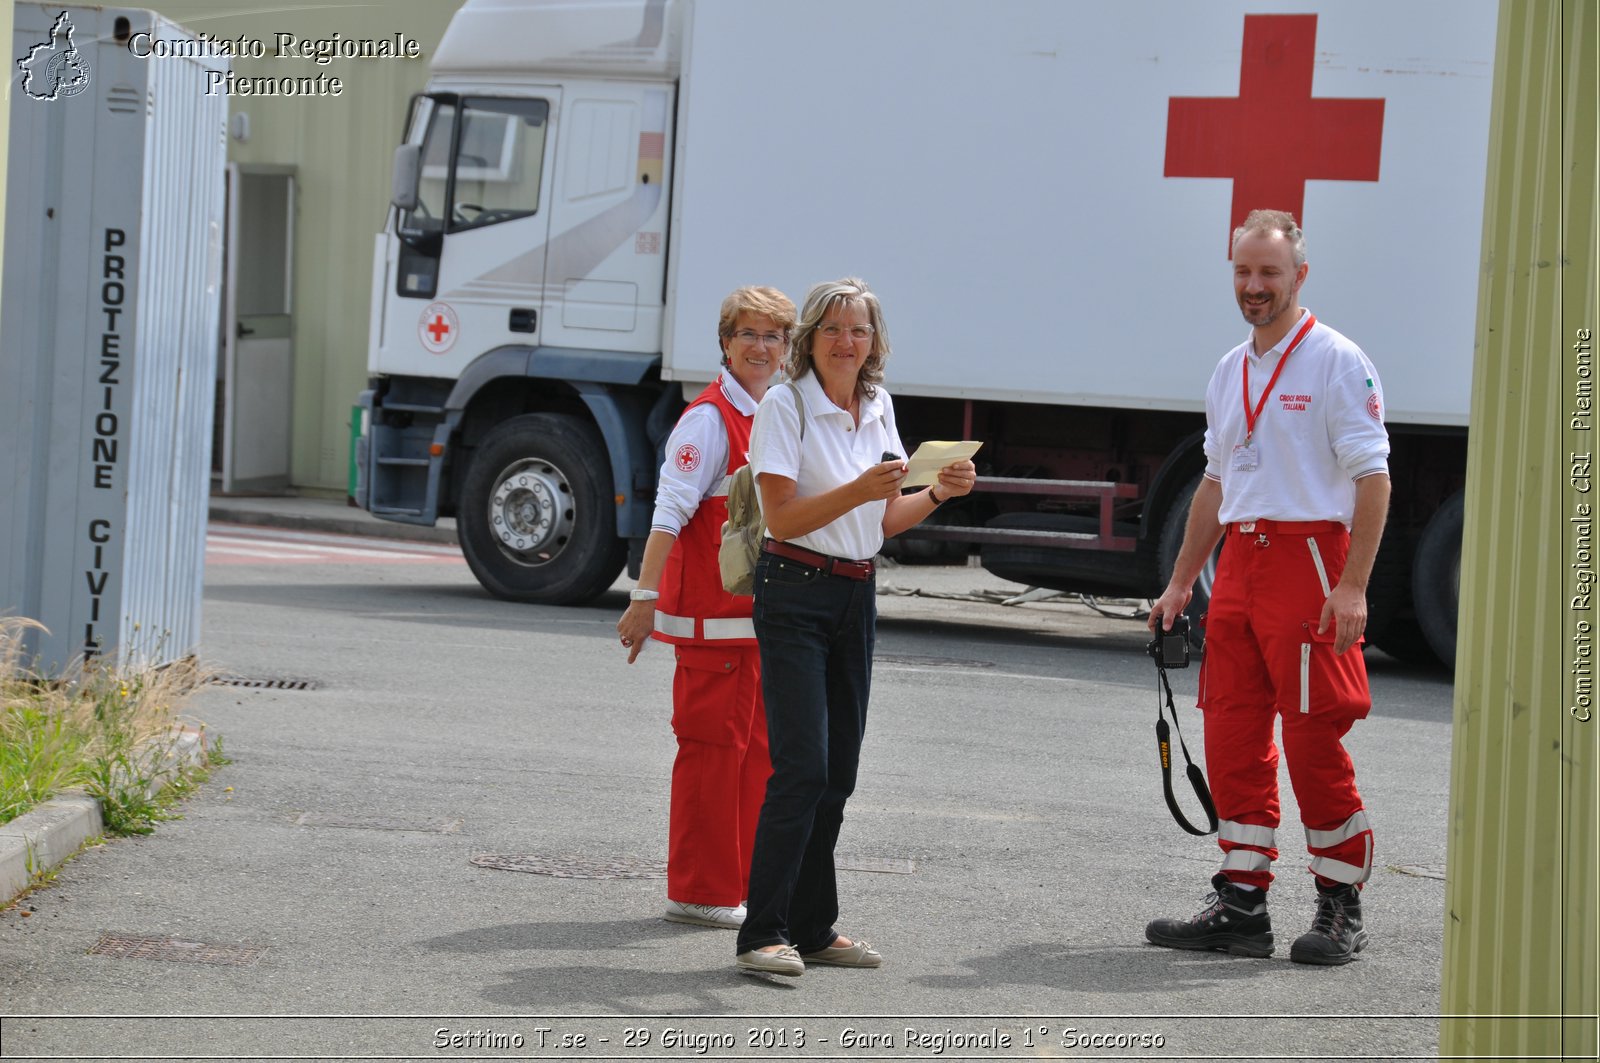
x: 485, y: 172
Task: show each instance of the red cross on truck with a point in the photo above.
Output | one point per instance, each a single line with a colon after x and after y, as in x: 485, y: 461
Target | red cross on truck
x: 1274, y: 136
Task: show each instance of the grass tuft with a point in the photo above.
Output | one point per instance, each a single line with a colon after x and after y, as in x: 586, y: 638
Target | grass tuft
x: 113, y: 732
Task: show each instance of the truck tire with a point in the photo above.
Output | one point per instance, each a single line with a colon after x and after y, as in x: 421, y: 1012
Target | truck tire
x: 536, y: 522
x: 1436, y: 577
x: 1172, y: 529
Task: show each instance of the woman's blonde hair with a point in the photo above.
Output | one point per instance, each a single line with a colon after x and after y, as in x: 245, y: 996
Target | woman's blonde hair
x: 754, y: 300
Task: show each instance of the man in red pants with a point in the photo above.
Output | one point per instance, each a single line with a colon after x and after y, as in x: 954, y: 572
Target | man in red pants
x: 720, y: 775
x: 1297, y: 486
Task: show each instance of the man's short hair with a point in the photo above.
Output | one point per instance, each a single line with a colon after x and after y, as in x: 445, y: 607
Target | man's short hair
x: 1268, y: 222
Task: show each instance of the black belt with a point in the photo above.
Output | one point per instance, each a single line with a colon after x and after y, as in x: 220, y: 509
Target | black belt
x: 832, y: 566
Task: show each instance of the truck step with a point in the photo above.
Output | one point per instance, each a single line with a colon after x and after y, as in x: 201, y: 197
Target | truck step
x: 422, y: 462
x: 412, y: 407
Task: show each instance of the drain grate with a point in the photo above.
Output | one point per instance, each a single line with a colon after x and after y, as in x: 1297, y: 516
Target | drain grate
x: 882, y: 865
x: 442, y: 825
x: 929, y: 662
x: 171, y: 950
x: 1418, y: 871
x: 572, y: 866
x: 265, y: 684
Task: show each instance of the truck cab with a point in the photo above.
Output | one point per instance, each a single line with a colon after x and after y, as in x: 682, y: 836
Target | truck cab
x: 519, y: 291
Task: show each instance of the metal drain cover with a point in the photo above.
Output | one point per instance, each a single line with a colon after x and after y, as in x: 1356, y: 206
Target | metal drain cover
x: 265, y: 684
x: 572, y: 866
x: 882, y: 865
x: 171, y: 950
x: 921, y: 661
x: 442, y: 825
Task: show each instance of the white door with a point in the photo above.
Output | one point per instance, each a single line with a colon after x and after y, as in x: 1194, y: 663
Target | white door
x: 258, y: 345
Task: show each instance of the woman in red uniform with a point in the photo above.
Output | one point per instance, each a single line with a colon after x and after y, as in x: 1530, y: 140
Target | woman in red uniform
x: 720, y: 775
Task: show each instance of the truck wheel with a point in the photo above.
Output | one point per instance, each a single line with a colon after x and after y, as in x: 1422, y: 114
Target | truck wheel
x: 536, y: 521
x: 1172, y: 529
x: 1436, y: 578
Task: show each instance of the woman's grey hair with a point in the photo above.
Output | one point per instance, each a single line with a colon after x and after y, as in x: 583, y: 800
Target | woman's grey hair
x: 1268, y: 222
x: 820, y: 301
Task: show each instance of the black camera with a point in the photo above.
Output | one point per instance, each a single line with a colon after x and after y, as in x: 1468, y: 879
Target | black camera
x: 1171, y: 648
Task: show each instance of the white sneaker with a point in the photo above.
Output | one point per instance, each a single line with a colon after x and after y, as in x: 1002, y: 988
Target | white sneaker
x: 705, y: 915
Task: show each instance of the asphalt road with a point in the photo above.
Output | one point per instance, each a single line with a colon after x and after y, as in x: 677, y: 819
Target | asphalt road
x: 1008, y: 823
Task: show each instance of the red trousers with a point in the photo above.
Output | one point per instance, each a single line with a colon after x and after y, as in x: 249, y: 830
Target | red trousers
x: 720, y: 776
x: 1264, y: 660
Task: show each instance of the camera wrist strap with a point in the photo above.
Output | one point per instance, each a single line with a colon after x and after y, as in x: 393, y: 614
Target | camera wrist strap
x: 1197, y: 778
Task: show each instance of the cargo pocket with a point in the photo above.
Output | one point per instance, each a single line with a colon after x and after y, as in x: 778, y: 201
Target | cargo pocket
x: 702, y: 692
x: 1329, y: 681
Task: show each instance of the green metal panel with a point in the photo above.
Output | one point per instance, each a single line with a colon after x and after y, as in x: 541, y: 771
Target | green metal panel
x: 1521, y: 934
x: 341, y: 148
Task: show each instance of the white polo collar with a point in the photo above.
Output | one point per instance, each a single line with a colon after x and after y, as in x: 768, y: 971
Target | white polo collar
x: 819, y: 405
x: 1276, y: 350
x: 736, y: 394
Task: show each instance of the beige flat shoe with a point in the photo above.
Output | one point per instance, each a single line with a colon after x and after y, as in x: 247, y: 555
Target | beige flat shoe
x: 856, y: 954
x: 785, y: 961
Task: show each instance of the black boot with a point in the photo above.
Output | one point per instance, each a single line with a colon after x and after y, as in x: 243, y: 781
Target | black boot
x: 1234, y: 920
x: 1336, y: 934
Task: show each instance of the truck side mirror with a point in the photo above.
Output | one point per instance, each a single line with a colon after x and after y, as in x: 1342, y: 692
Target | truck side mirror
x: 407, y: 173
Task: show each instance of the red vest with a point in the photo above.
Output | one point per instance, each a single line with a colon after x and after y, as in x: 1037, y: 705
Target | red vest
x: 693, y: 607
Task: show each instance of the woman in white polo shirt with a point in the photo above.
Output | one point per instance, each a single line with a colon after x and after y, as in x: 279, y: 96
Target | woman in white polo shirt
x: 829, y: 499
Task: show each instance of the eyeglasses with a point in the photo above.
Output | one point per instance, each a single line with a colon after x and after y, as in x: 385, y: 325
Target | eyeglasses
x: 766, y: 339
x: 856, y: 332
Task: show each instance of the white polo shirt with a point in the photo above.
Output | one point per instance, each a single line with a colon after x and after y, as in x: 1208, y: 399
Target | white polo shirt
x: 697, y: 459
x: 1320, y: 430
x: 833, y: 452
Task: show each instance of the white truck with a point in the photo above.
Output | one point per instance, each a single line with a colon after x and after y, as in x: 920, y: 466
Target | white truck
x: 1041, y: 193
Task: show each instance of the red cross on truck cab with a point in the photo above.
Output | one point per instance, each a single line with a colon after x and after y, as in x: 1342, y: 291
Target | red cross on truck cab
x: 1274, y: 136
x: 436, y: 328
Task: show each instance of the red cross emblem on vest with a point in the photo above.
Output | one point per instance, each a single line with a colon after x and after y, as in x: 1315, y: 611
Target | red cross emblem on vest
x: 1274, y: 136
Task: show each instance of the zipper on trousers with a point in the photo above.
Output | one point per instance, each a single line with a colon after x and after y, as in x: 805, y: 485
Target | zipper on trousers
x: 1322, y: 572
x: 1305, y: 677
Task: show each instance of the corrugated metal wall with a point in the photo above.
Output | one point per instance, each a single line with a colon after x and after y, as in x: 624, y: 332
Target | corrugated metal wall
x: 1521, y: 936
x: 342, y: 149
x: 180, y: 270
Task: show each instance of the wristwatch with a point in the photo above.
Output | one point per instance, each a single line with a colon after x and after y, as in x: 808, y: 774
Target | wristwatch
x: 935, y: 499
x: 639, y: 594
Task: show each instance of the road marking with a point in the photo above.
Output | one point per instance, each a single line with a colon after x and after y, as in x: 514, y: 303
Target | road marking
x: 241, y: 545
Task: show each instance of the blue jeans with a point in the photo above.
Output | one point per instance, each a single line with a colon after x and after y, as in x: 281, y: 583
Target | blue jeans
x: 816, y: 634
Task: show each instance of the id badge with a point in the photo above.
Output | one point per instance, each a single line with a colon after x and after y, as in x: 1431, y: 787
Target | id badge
x: 1246, y: 458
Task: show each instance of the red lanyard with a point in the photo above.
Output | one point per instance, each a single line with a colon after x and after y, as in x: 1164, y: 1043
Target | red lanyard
x: 1250, y: 418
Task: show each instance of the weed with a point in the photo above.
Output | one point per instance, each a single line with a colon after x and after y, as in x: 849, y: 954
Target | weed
x: 113, y: 732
